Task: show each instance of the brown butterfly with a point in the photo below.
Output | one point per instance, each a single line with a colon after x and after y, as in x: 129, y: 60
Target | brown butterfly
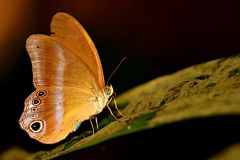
x: 69, y: 81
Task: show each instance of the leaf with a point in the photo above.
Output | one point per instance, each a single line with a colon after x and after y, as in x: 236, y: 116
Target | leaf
x: 205, y: 90
x: 231, y: 153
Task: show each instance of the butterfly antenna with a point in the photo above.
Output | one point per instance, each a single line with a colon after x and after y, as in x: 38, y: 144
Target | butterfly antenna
x: 115, y: 69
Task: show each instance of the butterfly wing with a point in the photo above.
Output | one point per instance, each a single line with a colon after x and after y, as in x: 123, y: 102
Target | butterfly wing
x: 59, y: 111
x: 64, y: 28
x: 70, y: 74
x: 54, y: 65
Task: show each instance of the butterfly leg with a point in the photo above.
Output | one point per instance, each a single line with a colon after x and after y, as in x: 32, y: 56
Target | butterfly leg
x: 111, y: 112
x: 116, y: 107
x: 92, y: 126
x: 96, y: 120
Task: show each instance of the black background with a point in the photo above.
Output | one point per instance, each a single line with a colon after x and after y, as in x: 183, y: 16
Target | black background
x: 157, y: 37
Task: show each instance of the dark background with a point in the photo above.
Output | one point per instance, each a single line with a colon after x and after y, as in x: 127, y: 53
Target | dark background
x: 157, y: 37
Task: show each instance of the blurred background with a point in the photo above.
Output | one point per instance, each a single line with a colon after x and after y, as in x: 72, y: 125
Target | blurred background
x: 157, y: 37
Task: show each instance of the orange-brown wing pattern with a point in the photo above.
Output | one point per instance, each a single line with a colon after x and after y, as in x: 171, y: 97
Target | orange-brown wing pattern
x: 69, y: 32
x: 68, y: 78
x: 60, y: 111
x: 54, y: 65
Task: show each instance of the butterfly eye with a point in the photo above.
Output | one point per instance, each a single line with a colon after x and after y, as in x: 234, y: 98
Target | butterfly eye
x: 36, y: 126
x: 34, y: 109
x: 36, y: 101
x: 41, y: 93
x: 108, y: 90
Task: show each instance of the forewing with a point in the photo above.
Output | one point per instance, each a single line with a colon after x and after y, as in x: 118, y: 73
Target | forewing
x: 70, y: 33
x: 55, y: 65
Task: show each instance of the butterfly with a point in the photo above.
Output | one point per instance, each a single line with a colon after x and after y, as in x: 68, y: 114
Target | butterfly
x: 69, y: 81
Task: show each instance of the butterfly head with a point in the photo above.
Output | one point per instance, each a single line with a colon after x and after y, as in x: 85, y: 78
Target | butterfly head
x: 108, y: 91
